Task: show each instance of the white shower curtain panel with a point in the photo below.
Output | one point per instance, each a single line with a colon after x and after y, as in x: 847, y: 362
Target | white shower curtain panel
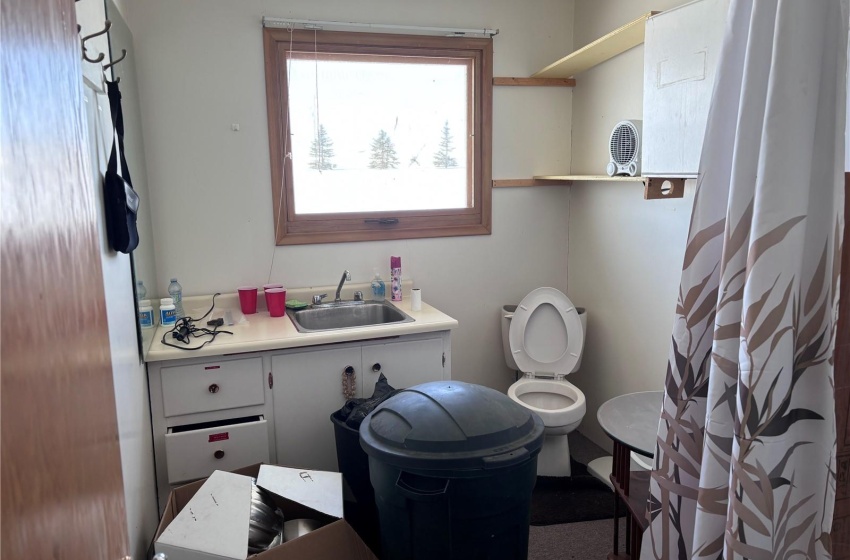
x: 745, y: 458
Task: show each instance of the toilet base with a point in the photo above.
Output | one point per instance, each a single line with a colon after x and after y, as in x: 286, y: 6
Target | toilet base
x: 554, y: 457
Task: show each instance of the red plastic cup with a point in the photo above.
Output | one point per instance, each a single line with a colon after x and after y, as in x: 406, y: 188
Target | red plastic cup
x: 248, y: 299
x: 276, y: 300
x: 267, y: 287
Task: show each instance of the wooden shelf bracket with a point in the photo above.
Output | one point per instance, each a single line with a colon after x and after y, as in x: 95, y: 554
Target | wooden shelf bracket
x: 663, y: 187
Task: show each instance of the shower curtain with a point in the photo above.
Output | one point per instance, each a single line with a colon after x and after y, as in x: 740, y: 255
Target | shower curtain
x: 745, y: 454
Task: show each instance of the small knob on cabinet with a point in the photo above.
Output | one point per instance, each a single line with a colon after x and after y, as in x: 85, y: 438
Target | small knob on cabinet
x: 213, y: 388
x: 219, y: 454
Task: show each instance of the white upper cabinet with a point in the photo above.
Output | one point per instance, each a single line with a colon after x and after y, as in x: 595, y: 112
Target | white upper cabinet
x: 680, y: 60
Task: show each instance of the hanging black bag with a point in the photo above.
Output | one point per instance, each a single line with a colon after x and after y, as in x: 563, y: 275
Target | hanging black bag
x: 120, y: 199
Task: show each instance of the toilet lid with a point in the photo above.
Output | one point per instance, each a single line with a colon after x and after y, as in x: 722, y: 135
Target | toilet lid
x: 546, y: 334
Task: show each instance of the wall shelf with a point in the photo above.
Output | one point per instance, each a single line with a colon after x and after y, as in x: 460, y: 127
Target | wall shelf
x: 546, y: 82
x: 653, y: 187
x: 560, y: 73
x: 600, y: 50
x: 623, y: 178
x: 507, y: 183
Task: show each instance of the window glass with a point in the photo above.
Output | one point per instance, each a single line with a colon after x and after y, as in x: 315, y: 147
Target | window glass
x: 378, y: 133
x: 378, y: 136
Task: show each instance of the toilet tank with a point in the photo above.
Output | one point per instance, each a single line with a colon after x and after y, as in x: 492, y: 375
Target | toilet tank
x: 506, y: 316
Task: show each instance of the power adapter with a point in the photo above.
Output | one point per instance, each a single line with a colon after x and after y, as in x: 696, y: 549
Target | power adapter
x: 182, y: 332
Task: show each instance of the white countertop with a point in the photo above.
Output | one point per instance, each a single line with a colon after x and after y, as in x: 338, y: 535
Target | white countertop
x: 261, y: 332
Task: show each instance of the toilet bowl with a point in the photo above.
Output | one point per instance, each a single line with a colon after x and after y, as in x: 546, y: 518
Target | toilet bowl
x: 543, y: 337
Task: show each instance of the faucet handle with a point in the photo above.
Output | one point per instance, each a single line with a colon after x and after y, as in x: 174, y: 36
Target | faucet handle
x: 318, y: 299
x: 358, y: 296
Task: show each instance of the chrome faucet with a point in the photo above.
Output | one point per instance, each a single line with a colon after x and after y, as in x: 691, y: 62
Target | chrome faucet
x: 345, y: 276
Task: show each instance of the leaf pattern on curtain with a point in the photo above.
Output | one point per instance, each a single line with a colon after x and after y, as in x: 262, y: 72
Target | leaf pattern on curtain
x: 764, y: 498
x: 745, y: 456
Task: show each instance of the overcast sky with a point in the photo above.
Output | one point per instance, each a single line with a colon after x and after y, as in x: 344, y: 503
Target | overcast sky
x: 411, y: 102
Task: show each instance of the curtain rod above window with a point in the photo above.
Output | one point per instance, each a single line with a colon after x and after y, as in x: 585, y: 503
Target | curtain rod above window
x: 319, y: 25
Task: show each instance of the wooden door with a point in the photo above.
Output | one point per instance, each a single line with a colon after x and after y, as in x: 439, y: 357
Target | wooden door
x: 60, y: 476
x: 841, y: 524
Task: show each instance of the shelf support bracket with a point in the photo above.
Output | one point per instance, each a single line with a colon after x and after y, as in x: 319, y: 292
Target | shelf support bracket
x: 663, y: 187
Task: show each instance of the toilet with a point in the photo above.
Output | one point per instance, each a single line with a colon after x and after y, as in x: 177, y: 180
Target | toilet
x: 543, y: 337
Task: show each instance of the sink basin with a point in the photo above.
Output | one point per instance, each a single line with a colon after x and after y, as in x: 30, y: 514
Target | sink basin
x: 347, y: 315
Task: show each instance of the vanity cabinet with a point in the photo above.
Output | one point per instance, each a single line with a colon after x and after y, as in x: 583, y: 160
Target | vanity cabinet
x: 226, y: 412
x: 308, y: 388
x: 208, y: 414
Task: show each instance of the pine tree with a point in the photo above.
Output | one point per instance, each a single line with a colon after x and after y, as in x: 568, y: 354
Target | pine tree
x: 383, y: 152
x: 321, y: 151
x: 443, y: 156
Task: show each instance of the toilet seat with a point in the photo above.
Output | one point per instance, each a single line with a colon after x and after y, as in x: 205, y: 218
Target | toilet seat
x: 546, y: 335
x: 552, y: 417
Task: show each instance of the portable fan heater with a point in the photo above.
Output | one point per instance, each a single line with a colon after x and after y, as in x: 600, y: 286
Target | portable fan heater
x: 624, y: 148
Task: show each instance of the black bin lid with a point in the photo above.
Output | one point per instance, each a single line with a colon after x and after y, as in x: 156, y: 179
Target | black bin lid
x: 451, y: 425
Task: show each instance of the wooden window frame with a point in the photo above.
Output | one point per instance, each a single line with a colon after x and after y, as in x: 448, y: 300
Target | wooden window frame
x: 292, y: 229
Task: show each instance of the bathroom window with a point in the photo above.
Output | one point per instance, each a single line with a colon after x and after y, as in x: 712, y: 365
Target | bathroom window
x: 378, y: 136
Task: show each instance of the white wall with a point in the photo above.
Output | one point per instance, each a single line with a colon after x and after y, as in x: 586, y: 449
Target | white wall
x: 625, y: 253
x: 200, y: 68
x: 129, y: 375
x: 120, y: 37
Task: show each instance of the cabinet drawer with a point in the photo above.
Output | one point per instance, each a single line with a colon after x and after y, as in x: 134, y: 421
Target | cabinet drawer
x: 196, y: 451
x: 212, y: 386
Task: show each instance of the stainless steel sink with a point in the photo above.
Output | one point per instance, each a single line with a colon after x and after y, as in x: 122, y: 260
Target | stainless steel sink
x: 346, y: 315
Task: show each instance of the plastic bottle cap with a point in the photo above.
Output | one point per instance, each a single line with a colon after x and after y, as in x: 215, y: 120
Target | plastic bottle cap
x: 166, y: 301
x: 145, y: 303
x: 174, y: 279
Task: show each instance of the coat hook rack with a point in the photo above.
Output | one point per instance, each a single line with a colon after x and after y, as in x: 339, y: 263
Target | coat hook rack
x: 116, y: 61
x: 107, y: 26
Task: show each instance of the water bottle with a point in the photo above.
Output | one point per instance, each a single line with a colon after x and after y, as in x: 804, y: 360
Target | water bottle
x: 141, y: 291
x: 175, y: 290
x: 379, y: 289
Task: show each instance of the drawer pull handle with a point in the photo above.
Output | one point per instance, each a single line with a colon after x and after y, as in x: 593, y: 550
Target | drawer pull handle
x: 214, y: 388
x: 376, y: 367
x: 219, y: 454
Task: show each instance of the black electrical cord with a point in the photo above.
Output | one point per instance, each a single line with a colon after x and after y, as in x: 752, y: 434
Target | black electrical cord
x: 184, y: 330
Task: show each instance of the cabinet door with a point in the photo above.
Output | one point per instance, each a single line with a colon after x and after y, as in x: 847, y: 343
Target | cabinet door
x: 307, y: 390
x: 405, y: 364
x: 680, y: 61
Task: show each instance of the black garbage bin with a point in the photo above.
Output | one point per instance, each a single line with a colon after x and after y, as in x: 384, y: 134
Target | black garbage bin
x: 362, y: 513
x: 453, y: 466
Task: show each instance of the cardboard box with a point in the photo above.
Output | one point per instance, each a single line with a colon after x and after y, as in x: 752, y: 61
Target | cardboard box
x: 225, y: 505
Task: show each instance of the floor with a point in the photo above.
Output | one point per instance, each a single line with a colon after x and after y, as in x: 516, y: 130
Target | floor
x: 588, y: 539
